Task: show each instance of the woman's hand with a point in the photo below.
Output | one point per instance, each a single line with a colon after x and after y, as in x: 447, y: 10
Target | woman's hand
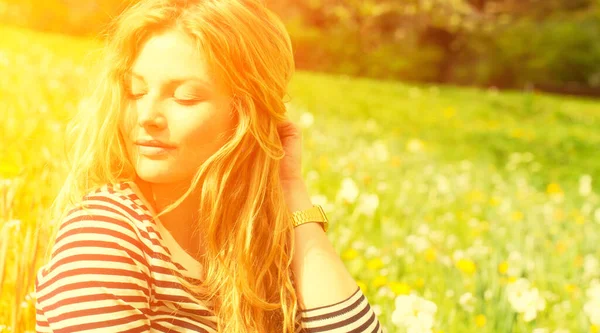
x: 290, y: 167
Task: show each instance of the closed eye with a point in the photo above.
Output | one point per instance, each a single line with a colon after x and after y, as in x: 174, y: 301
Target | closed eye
x: 133, y: 96
x: 187, y: 102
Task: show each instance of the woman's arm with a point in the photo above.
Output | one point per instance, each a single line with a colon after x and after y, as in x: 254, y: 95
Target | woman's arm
x: 321, y: 277
x: 328, y: 294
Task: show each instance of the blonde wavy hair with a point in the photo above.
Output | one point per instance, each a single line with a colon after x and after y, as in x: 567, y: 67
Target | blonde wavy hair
x: 249, y: 237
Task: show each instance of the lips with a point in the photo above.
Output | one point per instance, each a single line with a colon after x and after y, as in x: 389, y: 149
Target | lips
x: 154, y: 143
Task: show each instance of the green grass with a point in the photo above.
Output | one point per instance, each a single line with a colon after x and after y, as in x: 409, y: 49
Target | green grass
x: 475, y: 188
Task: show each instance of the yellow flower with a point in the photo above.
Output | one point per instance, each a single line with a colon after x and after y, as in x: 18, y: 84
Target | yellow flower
x: 570, y: 288
x: 420, y: 283
x: 517, y: 133
x: 349, y: 254
x: 503, y: 267
x: 594, y: 329
x: 554, y: 188
x: 480, y: 320
x: 375, y: 264
x: 362, y: 285
x: 466, y: 266
x: 516, y: 216
x: 494, y: 201
x: 366, y: 179
x: 430, y: 255
x: 561, y: 246
x: 475, y: 196
x: 578, y: 261
x: 400, y: 288
x: 449, y: 112
x: 379, y: 281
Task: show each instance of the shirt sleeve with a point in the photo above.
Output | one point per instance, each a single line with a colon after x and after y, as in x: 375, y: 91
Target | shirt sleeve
x: 353, y: 314
x: 97, y: 279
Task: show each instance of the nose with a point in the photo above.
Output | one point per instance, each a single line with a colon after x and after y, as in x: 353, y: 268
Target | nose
x: 150, y: 114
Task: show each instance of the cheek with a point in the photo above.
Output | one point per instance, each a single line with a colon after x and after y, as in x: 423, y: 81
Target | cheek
x: 203, y: 138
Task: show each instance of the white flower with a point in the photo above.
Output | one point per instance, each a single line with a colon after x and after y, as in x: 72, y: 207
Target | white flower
x: 371, y: 125
x: 478, y: 249
x: 306, y: 119
x: 591, y: 267
x: 525, y: 299
x: 488, y: 294
x: 382, y: 186
x: 592, y: 306
x: 348, y: 191
x: 319, y: 199
x: 377, y: 309
x: 597, y: 215
x: 368, y: 204
x: 400, y: 251
x: 458, y: 254
x: 414, y: 313
x: 516, y: 263
x: 418, y: 243
x: 593, y: 291
x: 467, y: 301
x: 359, y: 245
x: 414, y: 145
x: 372, y: 251
x: 423, y: 229
x: 443, y: 185
x: 585, y: 185
x: 592, y: 310
x: 381, y: 151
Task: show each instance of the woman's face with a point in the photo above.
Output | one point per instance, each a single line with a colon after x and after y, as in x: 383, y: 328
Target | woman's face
x: 174, y: 101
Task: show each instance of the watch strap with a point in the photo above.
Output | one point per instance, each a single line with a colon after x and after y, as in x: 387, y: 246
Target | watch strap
x: 313, y: 214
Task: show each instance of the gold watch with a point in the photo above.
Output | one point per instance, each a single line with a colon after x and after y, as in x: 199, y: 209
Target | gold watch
x: 313, y: 214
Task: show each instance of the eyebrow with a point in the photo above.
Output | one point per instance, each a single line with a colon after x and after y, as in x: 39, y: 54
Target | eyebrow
x: 176, y: 80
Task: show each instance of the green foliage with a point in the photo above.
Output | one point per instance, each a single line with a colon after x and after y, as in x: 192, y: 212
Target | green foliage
x: 505, y: 43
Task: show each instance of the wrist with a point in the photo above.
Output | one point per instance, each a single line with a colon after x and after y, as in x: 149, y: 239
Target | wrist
x: 296, y: 195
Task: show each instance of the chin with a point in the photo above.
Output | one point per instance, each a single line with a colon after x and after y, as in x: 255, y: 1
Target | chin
x: 161, y: 176
x: 155, y: 175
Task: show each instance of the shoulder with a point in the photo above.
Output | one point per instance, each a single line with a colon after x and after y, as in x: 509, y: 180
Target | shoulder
x: 105, y: 218
x: 111, y: 198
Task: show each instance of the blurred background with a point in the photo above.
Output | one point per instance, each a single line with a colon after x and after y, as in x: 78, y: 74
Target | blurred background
x: 452, y: 143
x: 546, y: 44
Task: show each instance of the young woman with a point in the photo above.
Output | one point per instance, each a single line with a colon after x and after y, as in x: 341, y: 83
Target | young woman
x: 177, y: 212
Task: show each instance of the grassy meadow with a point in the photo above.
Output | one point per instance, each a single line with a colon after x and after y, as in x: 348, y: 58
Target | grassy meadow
x: 456, y: 209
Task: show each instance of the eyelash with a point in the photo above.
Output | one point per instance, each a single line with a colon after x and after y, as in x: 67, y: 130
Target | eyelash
x: 186, y: 102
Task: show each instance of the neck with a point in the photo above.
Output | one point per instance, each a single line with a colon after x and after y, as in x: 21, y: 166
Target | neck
x: 181, y: 221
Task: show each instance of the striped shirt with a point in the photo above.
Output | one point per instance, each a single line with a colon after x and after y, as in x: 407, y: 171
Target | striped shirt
x: 110, y: 272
